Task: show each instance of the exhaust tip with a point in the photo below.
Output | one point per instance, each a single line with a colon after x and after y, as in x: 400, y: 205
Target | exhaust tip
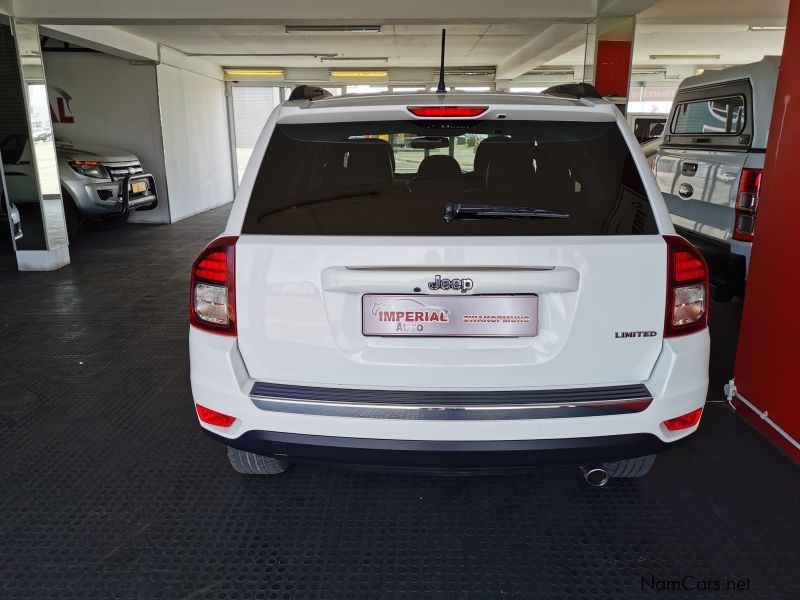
x: 596, y: 476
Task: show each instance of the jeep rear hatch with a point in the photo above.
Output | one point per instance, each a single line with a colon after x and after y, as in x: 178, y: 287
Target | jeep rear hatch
x: 350, y: 273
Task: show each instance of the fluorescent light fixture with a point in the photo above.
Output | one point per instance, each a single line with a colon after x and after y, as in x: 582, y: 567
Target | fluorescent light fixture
x: 766, y: 28
x: 355, y: 58
x: 251, y: 54
x: 255, y: 72
x: 357, y: 74
x: 649, y: 72
x: 684, y: 57
x: 569, y: 72
x: 470, y: 71
x: 333, y: 28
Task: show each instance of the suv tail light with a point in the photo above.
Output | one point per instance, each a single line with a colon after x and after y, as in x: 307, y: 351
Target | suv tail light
x: 213, y: 292
x: 747, y: 204
x: 687, y: 288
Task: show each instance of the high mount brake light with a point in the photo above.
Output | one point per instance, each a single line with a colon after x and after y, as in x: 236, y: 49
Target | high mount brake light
x: 747, y: 204
x: 447, y: 111
x: 213, y: 289
x: 687, y: 288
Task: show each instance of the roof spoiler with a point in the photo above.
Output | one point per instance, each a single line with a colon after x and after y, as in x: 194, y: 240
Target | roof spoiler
x: 574, y: 90
x: 308, y: 92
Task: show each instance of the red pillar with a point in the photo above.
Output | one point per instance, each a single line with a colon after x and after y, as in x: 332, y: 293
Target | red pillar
x: 613, y: 67
x: 767, y: 368
x: 609, y: 55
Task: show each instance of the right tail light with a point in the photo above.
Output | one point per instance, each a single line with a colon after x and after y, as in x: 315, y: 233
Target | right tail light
x: 687, y: 288
x: 747, y: 204
x: 213, y: 291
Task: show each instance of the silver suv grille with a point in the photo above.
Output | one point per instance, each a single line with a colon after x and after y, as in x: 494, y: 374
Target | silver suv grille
x: 122, y: 170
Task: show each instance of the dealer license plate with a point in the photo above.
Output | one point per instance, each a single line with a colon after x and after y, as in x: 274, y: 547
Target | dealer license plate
x: 445, y: 316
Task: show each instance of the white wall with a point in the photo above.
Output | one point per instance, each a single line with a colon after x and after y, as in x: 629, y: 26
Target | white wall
x: 113, y: 103
x: 194, y: 123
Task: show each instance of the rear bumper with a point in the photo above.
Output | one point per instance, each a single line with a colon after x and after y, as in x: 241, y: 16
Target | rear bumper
x: 220, y: 381
x: 424, y: 455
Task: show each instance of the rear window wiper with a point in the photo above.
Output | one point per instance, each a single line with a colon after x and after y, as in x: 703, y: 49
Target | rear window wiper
x: 497, y: 211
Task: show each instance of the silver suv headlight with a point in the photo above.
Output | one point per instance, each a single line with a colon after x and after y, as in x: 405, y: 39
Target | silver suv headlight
x: 89, y: 168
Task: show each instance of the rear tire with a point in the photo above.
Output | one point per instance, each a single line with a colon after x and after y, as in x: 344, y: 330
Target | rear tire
x: 248, y: 463
x: 631, y: 467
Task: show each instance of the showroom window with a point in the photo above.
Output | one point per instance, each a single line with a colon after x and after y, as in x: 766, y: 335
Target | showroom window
x: 651, y: 99
x: 526, y: 90
x: 252, y: 106
x: 367, y: 89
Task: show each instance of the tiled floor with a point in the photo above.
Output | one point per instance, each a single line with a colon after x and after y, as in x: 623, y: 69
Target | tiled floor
x: 108, y: 489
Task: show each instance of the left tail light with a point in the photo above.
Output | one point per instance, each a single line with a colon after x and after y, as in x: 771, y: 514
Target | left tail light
x: 213, y: 291
x: 687, y: 288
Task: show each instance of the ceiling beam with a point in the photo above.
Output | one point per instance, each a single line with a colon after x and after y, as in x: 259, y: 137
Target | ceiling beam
x: 551, y: 43
x: 111, y: 40
x: 310, y: 12
x: 623, y: 8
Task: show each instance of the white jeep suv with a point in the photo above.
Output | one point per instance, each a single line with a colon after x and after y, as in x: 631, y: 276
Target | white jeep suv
x: 462, y: 282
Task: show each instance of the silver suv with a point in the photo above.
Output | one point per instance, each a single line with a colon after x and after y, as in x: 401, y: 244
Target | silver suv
x: 97, y: 183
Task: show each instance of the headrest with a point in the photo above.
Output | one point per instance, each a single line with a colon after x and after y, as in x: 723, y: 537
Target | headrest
x: 438, y: 166
x: 484, y: 152
x: 358, y: 163
x: 512, y: 162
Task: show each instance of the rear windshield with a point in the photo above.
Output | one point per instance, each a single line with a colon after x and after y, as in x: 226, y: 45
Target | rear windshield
x: 409, y: 178
x: 715, y: 116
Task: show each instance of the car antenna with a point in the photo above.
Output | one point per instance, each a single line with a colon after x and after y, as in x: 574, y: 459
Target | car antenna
x: 442, y: 89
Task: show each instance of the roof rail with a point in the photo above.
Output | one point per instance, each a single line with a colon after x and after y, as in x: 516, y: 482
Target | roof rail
x: 308, y: 92
x: 574, y: 90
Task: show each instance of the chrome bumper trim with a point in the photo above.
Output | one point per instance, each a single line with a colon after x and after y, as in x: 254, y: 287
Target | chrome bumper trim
x: 450, y: 406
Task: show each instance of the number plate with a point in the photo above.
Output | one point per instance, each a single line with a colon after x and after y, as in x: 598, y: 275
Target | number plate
x: 138, y: 187
x: 445, y: 316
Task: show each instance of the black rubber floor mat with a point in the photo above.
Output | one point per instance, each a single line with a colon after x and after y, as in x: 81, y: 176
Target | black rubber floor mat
x: 109, y: 490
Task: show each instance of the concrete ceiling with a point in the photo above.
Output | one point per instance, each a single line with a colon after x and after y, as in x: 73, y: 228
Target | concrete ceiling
x: 733, y: 43
x: 401, y: 45
x: 512, y: 35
